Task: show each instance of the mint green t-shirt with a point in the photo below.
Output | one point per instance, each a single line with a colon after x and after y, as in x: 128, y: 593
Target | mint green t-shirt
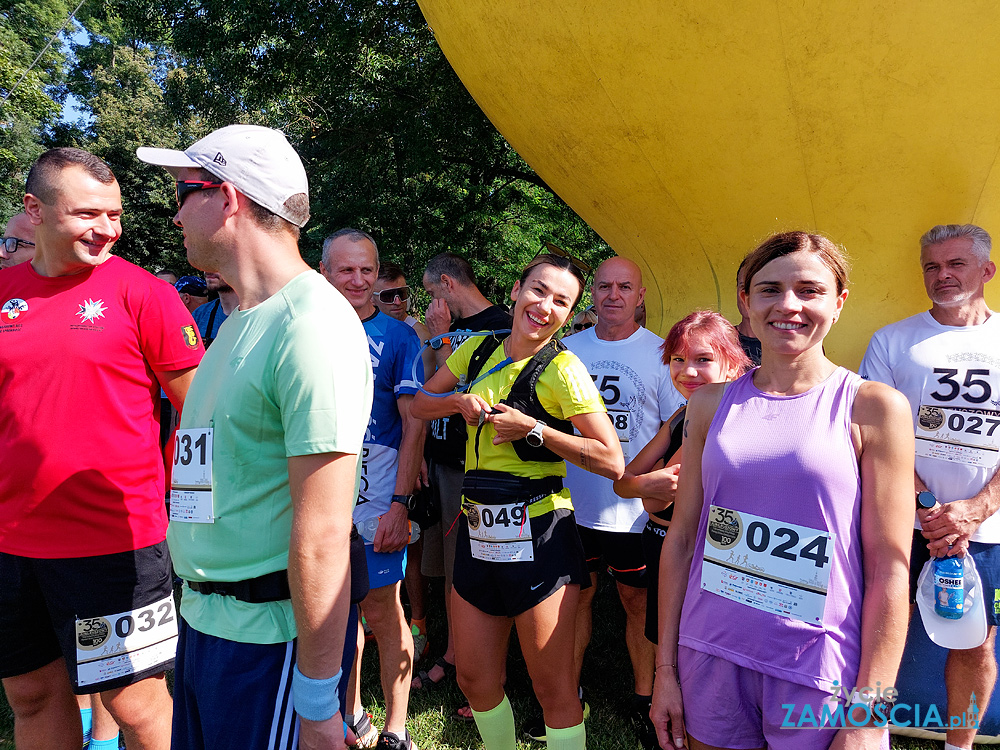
x: 289, y: 377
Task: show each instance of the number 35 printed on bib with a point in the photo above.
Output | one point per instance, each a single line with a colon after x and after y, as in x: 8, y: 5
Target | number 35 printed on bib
x: 958, y: 420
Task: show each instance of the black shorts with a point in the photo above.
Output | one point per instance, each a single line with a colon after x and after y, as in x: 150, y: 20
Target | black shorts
x: 507, y: 589
x: 652, y: 544
x: 621, y: 551
x: 111, y: 617
x: 987, y: 559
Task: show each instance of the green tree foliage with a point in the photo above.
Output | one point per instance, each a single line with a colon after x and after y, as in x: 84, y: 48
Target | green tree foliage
x: 25, y: 28
x: 392, y: 141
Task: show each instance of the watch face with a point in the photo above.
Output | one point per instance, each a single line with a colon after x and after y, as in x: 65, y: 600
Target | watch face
x: 926, y: 499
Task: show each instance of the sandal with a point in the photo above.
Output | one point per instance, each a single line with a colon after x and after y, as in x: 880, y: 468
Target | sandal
x: 426, y: 683
x: 459, y: 716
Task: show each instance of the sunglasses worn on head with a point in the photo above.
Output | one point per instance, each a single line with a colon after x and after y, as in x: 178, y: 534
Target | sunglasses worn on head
x: 388, y: 296
x: 186, y: 187
x: 551, y: 249
x: 10, y: 243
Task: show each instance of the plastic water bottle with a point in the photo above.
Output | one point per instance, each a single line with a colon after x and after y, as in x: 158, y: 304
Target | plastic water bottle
x: 949, y: 587
x: 368, y: 527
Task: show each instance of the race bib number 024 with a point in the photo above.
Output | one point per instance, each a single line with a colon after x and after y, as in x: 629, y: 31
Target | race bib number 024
x: 500, y: 533
x: 126, y: 643
x: 770, y: 565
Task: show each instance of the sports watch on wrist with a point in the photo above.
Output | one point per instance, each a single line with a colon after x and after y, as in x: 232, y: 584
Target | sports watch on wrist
x: 405, y: 500
x: 926, y: 500
x: 534, y: 436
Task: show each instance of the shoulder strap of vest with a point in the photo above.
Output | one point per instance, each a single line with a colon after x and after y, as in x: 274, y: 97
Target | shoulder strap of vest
x: 527, y: 380
x: 482, y: 353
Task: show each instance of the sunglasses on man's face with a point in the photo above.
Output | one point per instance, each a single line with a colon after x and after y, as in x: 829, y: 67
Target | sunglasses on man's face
x: 186, y: 187
x: 10, y: 244
x: 388, y: 296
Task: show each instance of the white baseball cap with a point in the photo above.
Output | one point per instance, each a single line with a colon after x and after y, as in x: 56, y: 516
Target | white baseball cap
x: 259, y: 162
x: 968, y: 631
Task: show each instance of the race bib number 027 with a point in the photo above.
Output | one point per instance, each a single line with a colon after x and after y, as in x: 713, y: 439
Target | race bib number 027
x: 955, y: 422
x: 126, y: 643
x: 770, y: 565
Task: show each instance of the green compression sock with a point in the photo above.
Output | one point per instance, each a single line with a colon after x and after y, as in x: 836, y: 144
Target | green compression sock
x: 111, y: 744
x: 570, y: 738
x: 496, y: 726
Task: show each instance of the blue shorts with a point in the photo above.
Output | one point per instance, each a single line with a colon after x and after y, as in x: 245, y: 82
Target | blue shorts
x: 232, y: 696
x: 384, y: 568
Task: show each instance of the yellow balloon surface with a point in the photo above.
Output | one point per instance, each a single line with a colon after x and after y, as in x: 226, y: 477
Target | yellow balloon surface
x: 685, y: 131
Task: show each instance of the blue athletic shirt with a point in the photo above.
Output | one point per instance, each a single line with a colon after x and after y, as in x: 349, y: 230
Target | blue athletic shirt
x: 393, y: 346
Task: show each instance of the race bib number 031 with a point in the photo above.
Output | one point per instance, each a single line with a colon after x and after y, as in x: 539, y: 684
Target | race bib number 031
x: 770, y: 565
x: 500, y: 533
x: 191, y: 477
x: 119, y: 645
x: 958, y: 433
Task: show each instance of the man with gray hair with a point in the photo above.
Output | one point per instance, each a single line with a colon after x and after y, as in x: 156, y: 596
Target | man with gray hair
x: 944, y: 361
x: 389, y: 468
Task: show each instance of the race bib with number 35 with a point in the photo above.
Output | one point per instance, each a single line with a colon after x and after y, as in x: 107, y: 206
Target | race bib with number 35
x: 770, y: 565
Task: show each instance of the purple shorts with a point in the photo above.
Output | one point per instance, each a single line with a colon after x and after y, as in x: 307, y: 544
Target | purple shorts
x: 730, y: 706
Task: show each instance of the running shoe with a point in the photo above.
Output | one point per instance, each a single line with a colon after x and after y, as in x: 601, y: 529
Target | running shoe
x: 392, y: 742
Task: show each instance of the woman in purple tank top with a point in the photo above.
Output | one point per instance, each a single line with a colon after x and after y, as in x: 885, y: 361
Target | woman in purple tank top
x: 783, y: 576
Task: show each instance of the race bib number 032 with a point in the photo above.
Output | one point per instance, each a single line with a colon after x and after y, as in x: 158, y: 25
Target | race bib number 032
x: 126, y: 643
x: 500, y: 533
x: 769, y: 565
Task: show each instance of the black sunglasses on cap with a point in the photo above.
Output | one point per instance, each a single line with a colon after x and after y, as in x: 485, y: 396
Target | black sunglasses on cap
x: 186, y: 187
x: 388, y: 296
x: 10, y: 243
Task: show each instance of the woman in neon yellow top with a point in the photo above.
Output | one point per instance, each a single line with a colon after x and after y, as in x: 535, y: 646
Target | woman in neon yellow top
x: 519, y: 558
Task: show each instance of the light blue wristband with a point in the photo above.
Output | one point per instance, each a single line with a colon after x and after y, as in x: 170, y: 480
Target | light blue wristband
x: 315, y: 700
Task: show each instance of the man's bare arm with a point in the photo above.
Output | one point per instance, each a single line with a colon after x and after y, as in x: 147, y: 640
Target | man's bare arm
x: 175, y: 384
x: 322, y: 489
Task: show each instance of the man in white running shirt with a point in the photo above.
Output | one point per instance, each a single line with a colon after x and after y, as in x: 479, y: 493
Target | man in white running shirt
x: 946, y: 362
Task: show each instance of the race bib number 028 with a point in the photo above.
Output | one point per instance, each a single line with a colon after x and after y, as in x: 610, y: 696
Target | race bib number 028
x: 126, y: 643
x: 770, y: 565
x: 500, y: 533
x: 191, y: 477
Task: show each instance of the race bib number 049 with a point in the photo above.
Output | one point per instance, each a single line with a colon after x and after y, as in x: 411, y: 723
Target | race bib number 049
x: 770, y: 565
x: 126, y: 643
x: 500, y: 533
x: 191, y: 477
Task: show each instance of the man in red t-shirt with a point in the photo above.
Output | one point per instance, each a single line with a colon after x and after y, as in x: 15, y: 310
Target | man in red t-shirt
x: 86, y: 342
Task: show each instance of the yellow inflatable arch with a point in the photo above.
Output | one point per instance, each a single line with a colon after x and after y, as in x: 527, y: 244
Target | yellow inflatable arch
x: 684, y: 131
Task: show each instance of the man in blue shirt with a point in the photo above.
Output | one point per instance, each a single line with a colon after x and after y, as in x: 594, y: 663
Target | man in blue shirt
x: 390, y: 464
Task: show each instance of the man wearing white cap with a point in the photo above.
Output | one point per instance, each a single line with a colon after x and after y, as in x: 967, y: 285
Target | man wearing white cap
x: 945, y: 363
x: 266, y: 470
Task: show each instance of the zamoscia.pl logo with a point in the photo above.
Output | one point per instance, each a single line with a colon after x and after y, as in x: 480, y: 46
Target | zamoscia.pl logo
x: 867, y: 706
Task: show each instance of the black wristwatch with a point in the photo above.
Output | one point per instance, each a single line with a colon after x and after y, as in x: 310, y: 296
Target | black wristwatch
x: 405, y: 500
x: 926, y: 500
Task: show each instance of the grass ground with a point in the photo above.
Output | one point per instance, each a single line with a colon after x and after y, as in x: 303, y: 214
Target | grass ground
x: 606, y: 678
